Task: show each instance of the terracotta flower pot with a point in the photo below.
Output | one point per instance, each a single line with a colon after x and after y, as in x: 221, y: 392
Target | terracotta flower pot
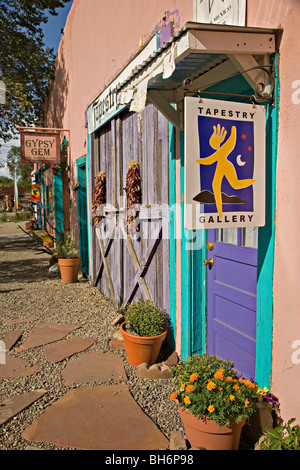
x: 69, y: 268
x: 210, y: 435
x: 141, y: 349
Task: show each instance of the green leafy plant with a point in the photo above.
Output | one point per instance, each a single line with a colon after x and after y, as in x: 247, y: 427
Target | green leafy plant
x: 66, y: 246
x: 210, y: 388
x: 285, y: 437
x: 143, y: 318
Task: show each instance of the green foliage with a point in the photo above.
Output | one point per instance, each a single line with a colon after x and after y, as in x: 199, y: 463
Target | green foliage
x: 22, y: 170
x: 18, y: 217
x: 5, y: 182
x: 26, y: 65
x: 284, y: 437
x: 210, y: 387
x: 66, y: 246
x: 143, y: 318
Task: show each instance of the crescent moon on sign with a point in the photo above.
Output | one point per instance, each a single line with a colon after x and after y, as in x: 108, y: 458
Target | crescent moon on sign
x: 239, y: 160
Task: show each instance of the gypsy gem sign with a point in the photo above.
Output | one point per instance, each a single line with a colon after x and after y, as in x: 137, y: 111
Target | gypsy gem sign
x: 224, y: 164
x: 40, y: 147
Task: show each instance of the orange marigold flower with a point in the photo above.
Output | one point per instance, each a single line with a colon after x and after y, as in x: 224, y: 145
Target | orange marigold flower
x: 193, y: 377
x: 189, y: 388
x: 220, y: 388
x: 228, y: 379
x: 249, y: 383
x: 246, y: 403
x: 211, y: 408
x: 182, y: 387
x: 219, y: 374
x: 173, y: 396
x: 210, y: 386
x: 231, y: 397
x: 187, y: 400
x: 236, y: 386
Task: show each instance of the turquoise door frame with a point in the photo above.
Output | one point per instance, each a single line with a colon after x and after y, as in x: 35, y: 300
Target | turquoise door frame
x: 81, y: 167
x: 193, y: 290
x: 193, y: 274
x: 58, y: 204
x: 43, y: 199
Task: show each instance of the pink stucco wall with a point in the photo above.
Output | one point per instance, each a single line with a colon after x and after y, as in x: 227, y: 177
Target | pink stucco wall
x: 98, y: 41
x: 285, y: 372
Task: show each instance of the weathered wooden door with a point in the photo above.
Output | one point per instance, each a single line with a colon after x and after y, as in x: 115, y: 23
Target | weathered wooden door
x: 126, y: 266
x: 231, y: 296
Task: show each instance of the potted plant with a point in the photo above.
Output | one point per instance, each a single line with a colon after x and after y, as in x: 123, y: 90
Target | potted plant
x: 285, y: 437
x: 143, y: 331
x: 68, y: 259
x: 214, y: 402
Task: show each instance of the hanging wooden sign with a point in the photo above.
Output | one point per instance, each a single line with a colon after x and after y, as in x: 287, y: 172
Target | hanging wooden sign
x: 40, y: 147
x: 224, y: 164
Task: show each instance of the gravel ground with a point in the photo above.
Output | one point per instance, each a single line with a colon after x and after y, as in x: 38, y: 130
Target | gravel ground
x: 27, y: 290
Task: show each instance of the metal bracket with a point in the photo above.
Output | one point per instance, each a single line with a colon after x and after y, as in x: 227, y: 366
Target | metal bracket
x: 258, y: 76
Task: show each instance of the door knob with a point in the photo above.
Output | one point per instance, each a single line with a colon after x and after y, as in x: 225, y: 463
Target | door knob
x: 208, y: 262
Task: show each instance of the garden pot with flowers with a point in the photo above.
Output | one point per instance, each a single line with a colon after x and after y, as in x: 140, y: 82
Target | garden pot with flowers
x: 68, y: 259
x: 213, y: 401
x: 143, y: 332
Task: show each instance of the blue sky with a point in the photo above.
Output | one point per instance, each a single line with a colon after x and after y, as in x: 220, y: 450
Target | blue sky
x: 52, y: 33
x: 52, y: 29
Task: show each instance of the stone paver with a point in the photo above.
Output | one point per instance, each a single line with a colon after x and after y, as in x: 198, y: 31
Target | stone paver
x: 11, y: 406
x: 11, y: 338
x: 46, y: 333
x: 16, y: 367
x: 102, y: 417
x: 93, y: 367
x: 63, y: 349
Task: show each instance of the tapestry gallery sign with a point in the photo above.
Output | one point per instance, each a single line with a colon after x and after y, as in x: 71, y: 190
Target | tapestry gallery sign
x: 224, y: 164
x: 40, y: 147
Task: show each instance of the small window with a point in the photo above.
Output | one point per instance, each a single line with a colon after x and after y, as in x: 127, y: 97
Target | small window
x: 227, y: 235
x: 250, y: 237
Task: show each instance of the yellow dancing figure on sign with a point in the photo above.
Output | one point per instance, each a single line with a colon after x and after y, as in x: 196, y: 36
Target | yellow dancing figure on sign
x: 224, y: 166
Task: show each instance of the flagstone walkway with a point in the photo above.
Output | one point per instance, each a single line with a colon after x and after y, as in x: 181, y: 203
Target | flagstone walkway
x: 64, y: 379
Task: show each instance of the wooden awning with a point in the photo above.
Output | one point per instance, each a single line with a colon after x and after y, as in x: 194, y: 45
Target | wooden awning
x: 199, y: 56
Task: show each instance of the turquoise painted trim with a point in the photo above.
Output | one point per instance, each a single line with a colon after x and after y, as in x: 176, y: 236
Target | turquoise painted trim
x: 43, y: 192
x: 172, y: 236
x: 186, y: 270
x: 48, y: 200
x: 266, y: 248
x: 58, y: 204
x: 82, y: 161
x: 89, y: 199
x: 193, y: 281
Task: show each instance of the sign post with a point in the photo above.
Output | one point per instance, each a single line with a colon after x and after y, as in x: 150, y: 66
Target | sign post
x: 224, y: 164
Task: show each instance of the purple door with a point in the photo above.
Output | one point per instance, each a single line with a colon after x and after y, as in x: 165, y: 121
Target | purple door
x: 231, y: 296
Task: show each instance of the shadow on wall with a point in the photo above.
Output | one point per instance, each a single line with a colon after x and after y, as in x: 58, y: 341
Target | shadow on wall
x: 56, y: 101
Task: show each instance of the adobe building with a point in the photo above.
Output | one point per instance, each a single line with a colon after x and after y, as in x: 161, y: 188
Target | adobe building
x: 183, y: 124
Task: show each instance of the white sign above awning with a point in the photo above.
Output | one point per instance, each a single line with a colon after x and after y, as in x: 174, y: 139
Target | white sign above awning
x: 224, y: 164
x: 231, y: 12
